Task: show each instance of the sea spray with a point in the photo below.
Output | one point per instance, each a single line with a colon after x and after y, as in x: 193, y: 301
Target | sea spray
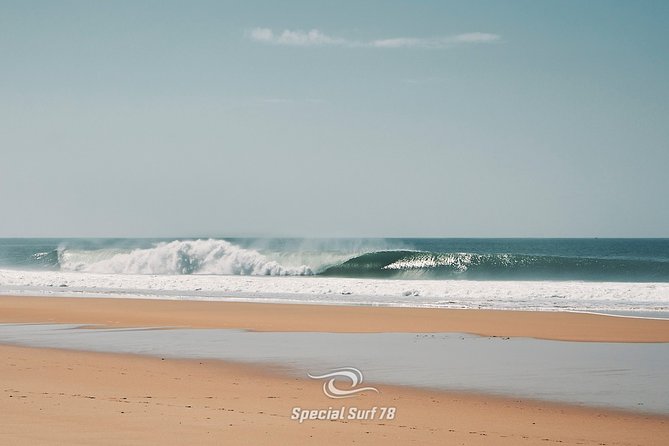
x: 181, y: 257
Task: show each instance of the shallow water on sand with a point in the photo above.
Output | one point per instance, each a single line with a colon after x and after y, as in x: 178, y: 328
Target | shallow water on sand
x: 621, y: 375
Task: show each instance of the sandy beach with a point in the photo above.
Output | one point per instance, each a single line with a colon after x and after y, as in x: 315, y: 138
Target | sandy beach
x: 72, y: 397
x: 330, y: 318
x: 67, y: 397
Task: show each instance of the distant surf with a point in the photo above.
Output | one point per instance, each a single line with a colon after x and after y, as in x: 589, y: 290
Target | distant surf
x: 533, y: 274
x: 473, y: 259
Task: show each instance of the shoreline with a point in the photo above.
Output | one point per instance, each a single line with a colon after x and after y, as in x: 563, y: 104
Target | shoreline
x: 120, y: 312
x: 408, y: 292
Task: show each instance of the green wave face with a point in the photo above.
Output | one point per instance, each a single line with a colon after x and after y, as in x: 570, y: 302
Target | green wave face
x: 429, y: 265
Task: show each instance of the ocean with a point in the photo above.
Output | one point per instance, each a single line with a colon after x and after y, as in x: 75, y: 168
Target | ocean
x: 615, y: 275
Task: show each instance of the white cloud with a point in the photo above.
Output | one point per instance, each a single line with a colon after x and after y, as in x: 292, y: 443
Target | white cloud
x: 262, y: 34
x: 398, y: 42
x: 435, y: 42
x: 477, y: 38
x: 316, y: 37
x: 294, y: 38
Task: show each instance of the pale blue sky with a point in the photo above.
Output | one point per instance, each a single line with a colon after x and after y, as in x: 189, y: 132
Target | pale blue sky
x: 361, y: 118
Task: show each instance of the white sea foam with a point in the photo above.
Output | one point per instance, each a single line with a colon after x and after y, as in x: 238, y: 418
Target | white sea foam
x: 178, y: 257
x: 531, y: 295
x: 458, y: 261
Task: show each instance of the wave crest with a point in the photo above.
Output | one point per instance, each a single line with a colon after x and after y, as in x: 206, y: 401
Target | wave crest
x: 179, y: 257
x: 221, y: 257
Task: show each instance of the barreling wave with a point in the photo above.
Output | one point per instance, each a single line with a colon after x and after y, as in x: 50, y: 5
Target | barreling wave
x: 428, y: 265
x: 178, y: 257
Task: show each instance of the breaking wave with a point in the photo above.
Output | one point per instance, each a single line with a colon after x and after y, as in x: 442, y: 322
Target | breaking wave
x: 222, y: 257
x: 178, y: 257
x: 428, y: 265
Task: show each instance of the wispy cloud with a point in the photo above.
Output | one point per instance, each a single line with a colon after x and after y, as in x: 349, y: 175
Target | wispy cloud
x: 435, y: 42
x: 477, y: 37
x: 294, y: 38
x: 316, y: 37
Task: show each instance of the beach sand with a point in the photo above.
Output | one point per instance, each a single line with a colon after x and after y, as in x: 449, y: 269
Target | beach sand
x: 69, y: 397
x: 52, y: 396
x: 331, y: 318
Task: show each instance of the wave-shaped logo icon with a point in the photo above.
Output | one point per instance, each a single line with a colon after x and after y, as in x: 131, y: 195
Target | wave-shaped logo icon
x: 348, y: 373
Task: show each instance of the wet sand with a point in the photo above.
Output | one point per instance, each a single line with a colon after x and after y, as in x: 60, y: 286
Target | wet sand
x: 52, y: 396
x: 329, y: 318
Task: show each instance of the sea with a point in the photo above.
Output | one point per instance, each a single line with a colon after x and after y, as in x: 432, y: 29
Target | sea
x: 616, y: 276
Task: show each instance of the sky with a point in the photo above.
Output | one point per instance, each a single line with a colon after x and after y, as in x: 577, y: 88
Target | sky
x: 334, y: 119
